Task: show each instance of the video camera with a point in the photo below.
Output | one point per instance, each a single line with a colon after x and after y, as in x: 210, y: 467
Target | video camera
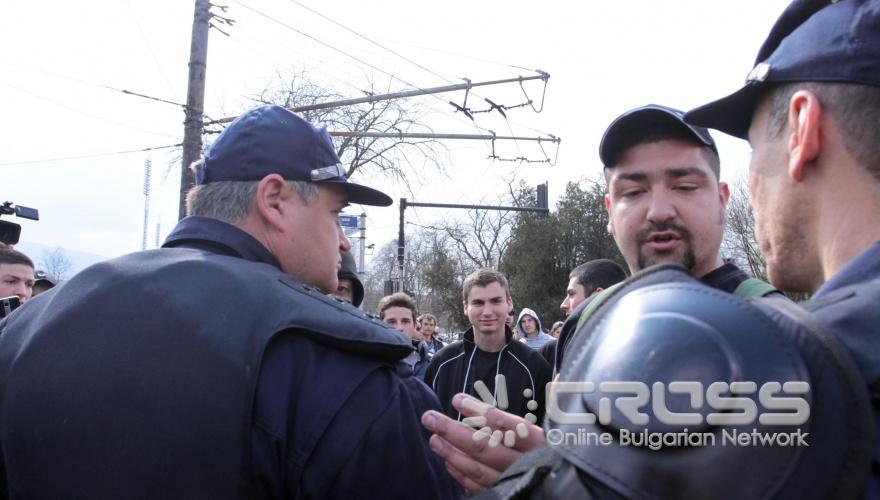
x: 10, y: 232
x: 8, y: 304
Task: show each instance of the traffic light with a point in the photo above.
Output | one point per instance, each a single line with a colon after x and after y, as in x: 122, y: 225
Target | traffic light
x: 542, y: 196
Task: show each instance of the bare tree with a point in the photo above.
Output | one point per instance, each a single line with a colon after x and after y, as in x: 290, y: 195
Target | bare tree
x: 480, y: 238
x: 740, y: 243
x: 389, y: 156
x: 420, y: 254
x: 56, y: 263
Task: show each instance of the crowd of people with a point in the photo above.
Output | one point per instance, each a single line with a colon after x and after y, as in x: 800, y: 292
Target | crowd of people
x: 236, y: 362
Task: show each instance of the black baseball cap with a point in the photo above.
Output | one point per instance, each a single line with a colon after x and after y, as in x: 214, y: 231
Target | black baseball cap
x: 812, y: 41
x: 272, y: 140
x: 628, y: 127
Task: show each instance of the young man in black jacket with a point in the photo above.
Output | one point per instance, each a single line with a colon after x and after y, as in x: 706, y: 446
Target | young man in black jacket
x: 488, y: 355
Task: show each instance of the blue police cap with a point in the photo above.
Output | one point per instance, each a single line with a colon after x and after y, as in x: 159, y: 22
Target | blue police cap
x: 272, y: 140
x: 812, y: 41
x: 625, y: 129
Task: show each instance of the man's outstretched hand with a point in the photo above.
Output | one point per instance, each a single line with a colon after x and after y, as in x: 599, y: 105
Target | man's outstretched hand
x: 487, y: 441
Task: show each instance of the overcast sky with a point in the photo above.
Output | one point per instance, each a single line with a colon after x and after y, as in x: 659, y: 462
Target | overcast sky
x: 61, y: 122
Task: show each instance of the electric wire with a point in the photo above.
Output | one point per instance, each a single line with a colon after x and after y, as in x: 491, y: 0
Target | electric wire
x: 85, y: 113
x: 350, y: 30
x: 95, y: 155
x: 150, y: 47
x: 383, y: 47
x: 464, y: 194
x: 94, y: 84
x: 335, y: 49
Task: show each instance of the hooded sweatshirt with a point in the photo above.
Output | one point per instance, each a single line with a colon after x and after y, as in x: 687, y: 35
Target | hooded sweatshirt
x: 540, y: 338
x: 348, y: 270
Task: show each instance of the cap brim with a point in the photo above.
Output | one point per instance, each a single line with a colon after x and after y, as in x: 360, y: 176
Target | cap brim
x: 619, y: 135
x: 731, y: 115
x: 362, y: 195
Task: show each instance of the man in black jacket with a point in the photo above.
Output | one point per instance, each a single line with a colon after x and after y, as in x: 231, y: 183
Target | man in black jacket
x: 215, y: 367
x: 488, y: 355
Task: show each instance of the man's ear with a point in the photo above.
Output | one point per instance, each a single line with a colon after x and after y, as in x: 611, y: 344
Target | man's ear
x: 608, y: 210
x: 271, y: 193
x: 724, y: 193
x: 805, y: 142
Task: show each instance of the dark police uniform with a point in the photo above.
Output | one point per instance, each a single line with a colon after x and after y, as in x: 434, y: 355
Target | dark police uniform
x: 849, y: 305
x: 836, y: 42
x: 201, y: 370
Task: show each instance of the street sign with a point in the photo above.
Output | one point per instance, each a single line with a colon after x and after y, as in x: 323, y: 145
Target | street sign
x: 348, y: 221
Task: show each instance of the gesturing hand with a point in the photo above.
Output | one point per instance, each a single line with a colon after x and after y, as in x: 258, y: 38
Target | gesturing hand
x: 485, y: 443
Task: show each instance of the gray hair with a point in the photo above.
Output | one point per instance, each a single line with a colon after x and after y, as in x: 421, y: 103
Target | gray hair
x: 230, y: 201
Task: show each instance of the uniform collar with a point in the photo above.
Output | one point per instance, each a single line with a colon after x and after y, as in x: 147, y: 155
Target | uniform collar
x: 864, y: 267
x: 218, y: 237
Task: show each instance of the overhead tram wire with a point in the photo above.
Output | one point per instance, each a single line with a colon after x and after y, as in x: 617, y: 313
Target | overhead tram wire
x: 281, y: 23
x: 438, y: 75
x: 443, y: 111
x: 94, y: 84
x: 310, y: 37
x: 85, y: 113
x: 377, y: 44
x: 364, y: 37
x: 150, y: 48
x: 257, y: 46
x: 343, y: 81
x: 96, y: 155
x: 368, y: 39
x: 287, y: 53
x: 325, y: 44
x: 267, y: 46
x: 463, y: 56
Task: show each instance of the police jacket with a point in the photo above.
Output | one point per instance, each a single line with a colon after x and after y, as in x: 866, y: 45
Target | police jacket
x: 201, y: 370
x: 849, y: 305
x: 459, y: 367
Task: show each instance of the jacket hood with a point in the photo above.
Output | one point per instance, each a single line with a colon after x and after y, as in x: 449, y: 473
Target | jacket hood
x: 527, y: 312
x: 348, y: 270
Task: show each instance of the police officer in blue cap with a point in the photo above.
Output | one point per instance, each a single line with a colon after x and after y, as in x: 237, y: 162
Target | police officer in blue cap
x: 215, y: 367
x: 810, y: 109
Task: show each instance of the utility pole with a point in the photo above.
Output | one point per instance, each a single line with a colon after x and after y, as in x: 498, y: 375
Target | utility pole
x: 147, y: 187
x: 401, y: 246
x: 362, y: 225
x: 195, y: 98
